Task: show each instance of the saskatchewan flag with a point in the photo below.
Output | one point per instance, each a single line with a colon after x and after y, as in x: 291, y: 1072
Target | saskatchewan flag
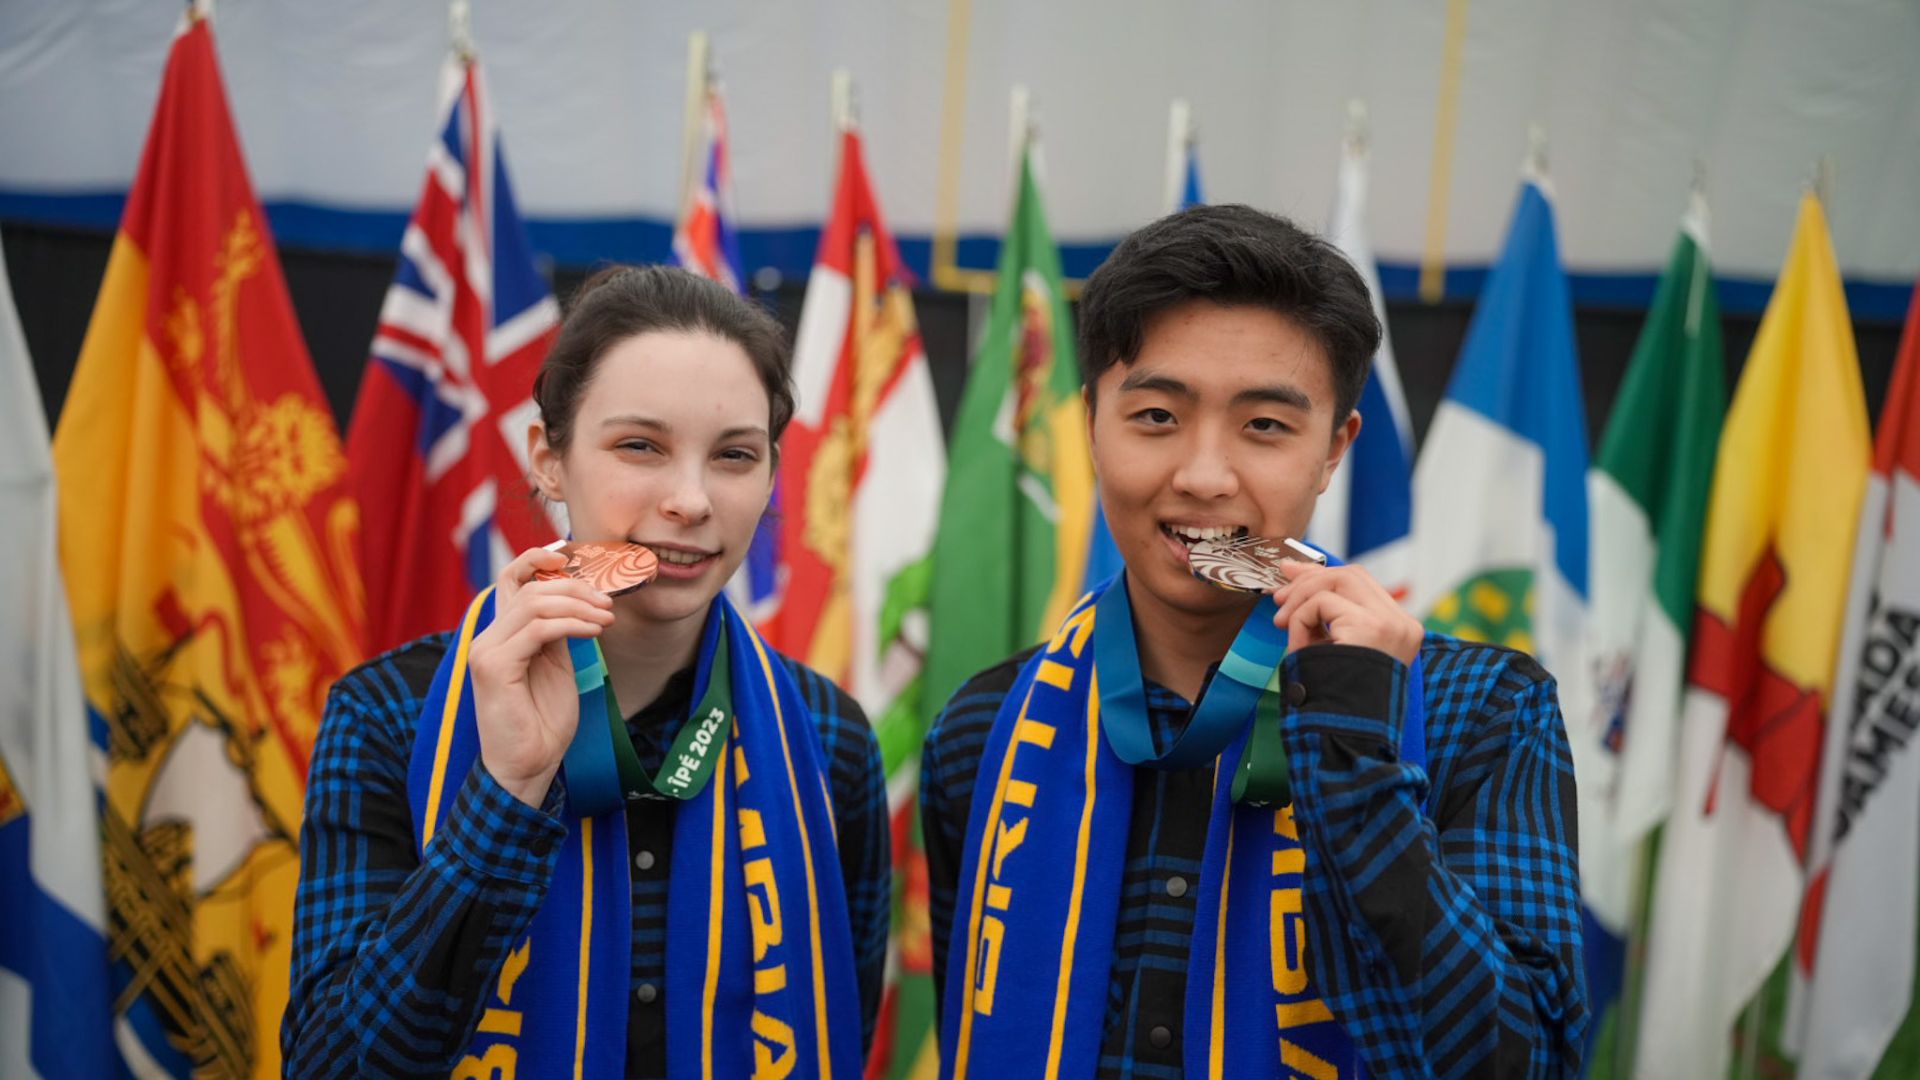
x: 1648, y: 496
x: 207, y: 537
x: 1019, y: 498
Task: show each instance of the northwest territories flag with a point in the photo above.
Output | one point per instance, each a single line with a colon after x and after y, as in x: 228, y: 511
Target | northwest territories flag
x: 1366, y: 513
x: 1500, y: 492
x: 56, y: 1006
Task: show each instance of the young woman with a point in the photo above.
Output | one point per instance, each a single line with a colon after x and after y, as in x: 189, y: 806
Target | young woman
x: 593, y: 836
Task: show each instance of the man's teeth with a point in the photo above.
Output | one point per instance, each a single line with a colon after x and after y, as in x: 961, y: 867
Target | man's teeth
x: 1194, y: 536
x: 679, y: 558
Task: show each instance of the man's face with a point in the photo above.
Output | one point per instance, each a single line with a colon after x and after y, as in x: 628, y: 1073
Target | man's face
x: 1223, y: 422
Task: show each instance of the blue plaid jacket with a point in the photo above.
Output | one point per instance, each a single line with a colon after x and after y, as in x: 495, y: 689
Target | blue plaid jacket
x: 394, y: 955
x: 1448, y: 943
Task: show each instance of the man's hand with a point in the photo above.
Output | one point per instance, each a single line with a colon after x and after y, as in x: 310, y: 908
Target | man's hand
x: 1344, y: 605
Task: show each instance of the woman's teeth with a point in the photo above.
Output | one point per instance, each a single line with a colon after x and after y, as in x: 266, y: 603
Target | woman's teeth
x: 678, y: 558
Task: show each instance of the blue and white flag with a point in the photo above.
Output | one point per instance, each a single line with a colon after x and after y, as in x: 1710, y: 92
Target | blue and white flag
x: 1183, y: 191
x: 56, y: 1008
x: 1500, y: 490
x: 1366, y: 513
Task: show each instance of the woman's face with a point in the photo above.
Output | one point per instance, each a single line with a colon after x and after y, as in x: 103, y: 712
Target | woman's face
x: 670, y: 449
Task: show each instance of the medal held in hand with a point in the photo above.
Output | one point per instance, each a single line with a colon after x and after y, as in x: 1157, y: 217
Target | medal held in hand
x: 1249, y: 564
x: 1256, y: 564
x: 614, y: 569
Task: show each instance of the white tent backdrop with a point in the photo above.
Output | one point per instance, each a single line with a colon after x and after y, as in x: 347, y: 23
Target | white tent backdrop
x: 335, y: 103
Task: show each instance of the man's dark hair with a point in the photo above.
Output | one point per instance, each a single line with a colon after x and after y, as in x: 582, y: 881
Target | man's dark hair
x: 1231, y: 255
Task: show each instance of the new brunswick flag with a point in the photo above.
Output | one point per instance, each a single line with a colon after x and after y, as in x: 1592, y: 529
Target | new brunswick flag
x: 1787, y: 484
x: 207, y: 542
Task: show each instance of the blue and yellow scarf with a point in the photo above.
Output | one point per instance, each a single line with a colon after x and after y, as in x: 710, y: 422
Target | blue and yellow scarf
x: 760, y: 970
x: 1039, y: 890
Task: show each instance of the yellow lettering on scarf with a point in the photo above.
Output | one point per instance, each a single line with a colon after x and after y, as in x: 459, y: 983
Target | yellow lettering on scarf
x: 501, y: 1059
x: 773, y: 1051
x: 1077, y: 628
x: 1007, y: 836
x: 763, y: 904
x: 1289, y: 947
x: 1302, y: 1062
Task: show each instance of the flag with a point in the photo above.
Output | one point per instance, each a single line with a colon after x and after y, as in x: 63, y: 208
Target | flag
x: 438, y: 442
x: 704, y: 242
x: 207, y: 538
x: 1853, y: 970
x: 861, y: 469
x: 1648, y: 492
x: 1500, y: 499
x: 1366, y: 513
x: 1787, y: 485
x: 1103, y: 558
x: 1016, y: 516
x: 56, y: 1006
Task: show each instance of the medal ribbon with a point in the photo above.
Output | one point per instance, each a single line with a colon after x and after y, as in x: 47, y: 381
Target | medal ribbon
x: 604, y: 771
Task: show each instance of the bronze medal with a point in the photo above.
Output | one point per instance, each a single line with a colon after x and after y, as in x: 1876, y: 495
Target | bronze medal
x: 1249, y: 564
x: 613, y: 568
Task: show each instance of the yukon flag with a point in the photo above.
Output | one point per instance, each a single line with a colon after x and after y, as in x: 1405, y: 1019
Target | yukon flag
x: 1853, y: 970
x: 207, y: 539
x: 1366, y: 513
x: 1787, y: 486
x: 56, y: 1007
x: 1018, y: 509
x: 861, y: 470
x: 1648, y: 492
x: 1500, y: 503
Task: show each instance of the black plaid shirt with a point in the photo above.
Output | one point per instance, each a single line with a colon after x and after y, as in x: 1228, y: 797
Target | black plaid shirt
x: 394, y: 956
x: 1446, y: 941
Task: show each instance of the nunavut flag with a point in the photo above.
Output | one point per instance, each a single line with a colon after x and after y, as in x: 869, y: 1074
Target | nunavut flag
x: 207, y: 540
x: 1773, y: 582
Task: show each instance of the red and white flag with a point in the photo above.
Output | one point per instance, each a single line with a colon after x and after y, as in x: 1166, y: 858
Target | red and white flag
x: 1853, y: 968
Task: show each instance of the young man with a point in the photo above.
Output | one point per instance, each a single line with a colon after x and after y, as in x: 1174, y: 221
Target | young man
x: 1131, y: 876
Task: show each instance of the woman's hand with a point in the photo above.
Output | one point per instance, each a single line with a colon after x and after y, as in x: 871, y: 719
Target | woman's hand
x: 524, y: 698
x: 1344, y: 605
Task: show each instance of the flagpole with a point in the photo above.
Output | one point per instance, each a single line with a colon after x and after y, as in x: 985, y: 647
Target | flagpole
x: 845, y: 114
x: 1433, y: 262
x: 699, y: 85
x: 1019, y: 131
x: 460, y: 29
x: 1179, y: 138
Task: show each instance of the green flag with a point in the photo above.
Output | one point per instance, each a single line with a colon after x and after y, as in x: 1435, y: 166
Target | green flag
x: 1019, y: 499
x: 1648, y: 492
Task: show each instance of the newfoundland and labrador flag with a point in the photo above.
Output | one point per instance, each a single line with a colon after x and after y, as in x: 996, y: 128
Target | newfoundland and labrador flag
x: 1787, y: 485
x: 438, y: 443
x: 1366, y: 513
x: 56, y: 1003
x: 1853, y: 965
x: 207, y: 537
